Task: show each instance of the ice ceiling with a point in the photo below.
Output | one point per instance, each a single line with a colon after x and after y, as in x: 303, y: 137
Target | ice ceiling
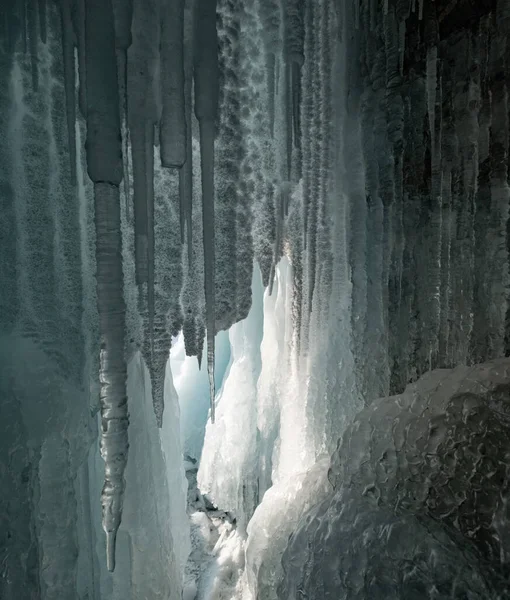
x: 322, y: 187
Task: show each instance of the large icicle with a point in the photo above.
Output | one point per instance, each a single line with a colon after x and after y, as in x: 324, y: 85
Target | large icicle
x: 104, y: 162
x: 172, y: 133
x: 186, y: 172
x: 69, y: 81
x: 206, y: 72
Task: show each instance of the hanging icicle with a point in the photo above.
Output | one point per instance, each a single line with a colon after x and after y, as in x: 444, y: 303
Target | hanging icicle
x: 206, y: 76
x: 104, y: 164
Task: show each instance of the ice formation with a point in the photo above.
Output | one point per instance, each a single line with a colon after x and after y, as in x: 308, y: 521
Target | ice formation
x: 314, y: 196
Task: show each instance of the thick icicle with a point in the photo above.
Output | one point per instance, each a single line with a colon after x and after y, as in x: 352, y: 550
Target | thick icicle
x: 69, y: 81
x: 172, y: 133
x: 104, y: 162
x: 206, y: 74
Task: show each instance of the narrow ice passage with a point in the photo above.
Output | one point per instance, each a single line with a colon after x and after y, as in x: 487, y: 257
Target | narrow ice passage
x: 254, y: 299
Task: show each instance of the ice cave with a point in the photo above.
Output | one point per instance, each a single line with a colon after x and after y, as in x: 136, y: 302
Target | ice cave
x: 254, y: 300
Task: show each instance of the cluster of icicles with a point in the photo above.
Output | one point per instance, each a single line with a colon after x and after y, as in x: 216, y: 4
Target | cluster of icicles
x: 131, y: 106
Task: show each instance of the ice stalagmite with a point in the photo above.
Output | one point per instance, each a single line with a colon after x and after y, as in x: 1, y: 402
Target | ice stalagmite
x: 172, y: 132
x: 69, y: 81
x: 205, y: 63
x: 104, y: 163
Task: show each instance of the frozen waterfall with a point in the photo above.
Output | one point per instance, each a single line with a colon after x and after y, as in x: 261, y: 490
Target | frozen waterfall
x: 254, y: 299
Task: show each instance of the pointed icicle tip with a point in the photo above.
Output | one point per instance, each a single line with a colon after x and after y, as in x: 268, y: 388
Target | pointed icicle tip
x: 111, y: 537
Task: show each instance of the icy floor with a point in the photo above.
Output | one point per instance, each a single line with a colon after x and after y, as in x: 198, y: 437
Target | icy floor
x: 216, y: 563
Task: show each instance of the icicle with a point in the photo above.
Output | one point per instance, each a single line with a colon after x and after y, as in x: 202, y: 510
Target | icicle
x: 142, y: 109
x: 207, y: 164
x: 42, y: 20
x: 296, y: 102
x: 69, y: 82
x: 277, y: 76
x: 206, y: 74
x: 172, y: 134
x: 307, y: 118
x: 32, y: 39
x: 149, y: 194
x: 122, y: 70
x: 420, y: 16
x: 80, y: 27
x: 23, y: 19
x: 386, y: 7
x: 431, y: 92
x: 294, y: 59
x: 186, y: 172
x: 271, y: 80
x: 138, y: 161
x: 402, y: 44
x: 104, y: 163
x: 123, y: 17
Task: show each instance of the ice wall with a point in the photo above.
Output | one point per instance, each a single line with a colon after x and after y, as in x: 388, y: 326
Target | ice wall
x: 232, y: 440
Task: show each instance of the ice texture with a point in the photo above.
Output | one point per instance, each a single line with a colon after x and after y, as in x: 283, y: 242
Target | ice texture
x: 415, y: 482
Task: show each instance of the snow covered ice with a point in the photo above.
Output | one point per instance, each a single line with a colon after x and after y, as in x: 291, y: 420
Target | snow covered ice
x: 254, y: 299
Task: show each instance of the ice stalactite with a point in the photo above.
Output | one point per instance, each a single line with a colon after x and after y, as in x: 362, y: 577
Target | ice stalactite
x: 79, y: 20
x: 167, y: 320
x: 123, y: 15
x: 186, y: 171
x: 206, y: 78
x: 270, y: 16
x: 68, y: 36
x: 173, y: 138
x: 143, y: 58
x: 430, y: 307
x: 257, y: 141
x: 33, y: 39
x: 104, y: 162
x: 307, y: 116
x: 294, y: 34
x: 41, y: 5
